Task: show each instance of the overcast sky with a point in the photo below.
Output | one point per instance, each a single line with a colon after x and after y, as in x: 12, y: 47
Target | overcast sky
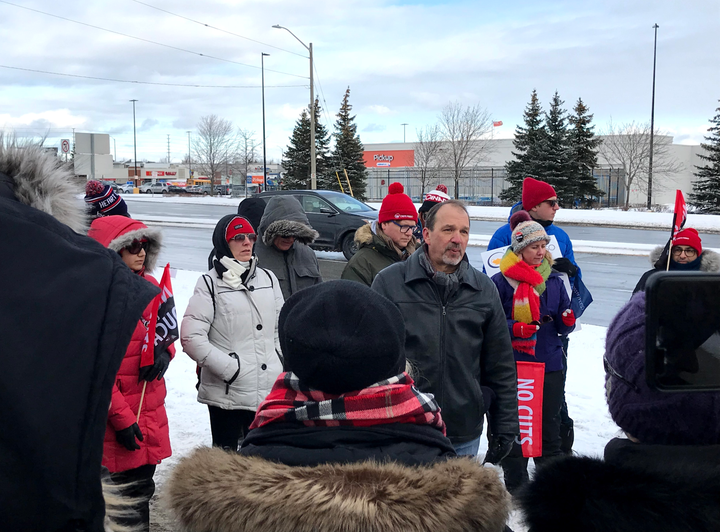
x: 403, y: 61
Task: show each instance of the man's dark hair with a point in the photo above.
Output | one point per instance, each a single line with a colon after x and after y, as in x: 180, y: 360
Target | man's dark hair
x: 432, y: 213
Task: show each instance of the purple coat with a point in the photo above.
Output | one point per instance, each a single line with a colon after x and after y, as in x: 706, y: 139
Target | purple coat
x: 553, y: 302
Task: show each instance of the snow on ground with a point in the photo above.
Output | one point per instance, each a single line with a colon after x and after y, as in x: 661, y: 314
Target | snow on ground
x: 190, y: 426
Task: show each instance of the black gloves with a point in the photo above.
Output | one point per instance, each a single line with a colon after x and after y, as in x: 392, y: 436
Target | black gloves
x: 126, y: 437
x: 499, y: 447
x: 157, y: 370
x: 564, y: 265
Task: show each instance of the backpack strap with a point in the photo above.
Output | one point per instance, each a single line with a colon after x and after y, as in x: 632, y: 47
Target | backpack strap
x: 211, y: 288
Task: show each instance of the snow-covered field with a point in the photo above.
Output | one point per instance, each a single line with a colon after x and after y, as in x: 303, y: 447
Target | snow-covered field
x: 190, y: 426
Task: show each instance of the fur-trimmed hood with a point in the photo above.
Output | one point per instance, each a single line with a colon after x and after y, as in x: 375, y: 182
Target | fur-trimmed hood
x: 368, y: 234
x: 117, y: 232
x: 212, y: 490
x: 37, y: 178
x: 284, y: 217
x: 709, y: 260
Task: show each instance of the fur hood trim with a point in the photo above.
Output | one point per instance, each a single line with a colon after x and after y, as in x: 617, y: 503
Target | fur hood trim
x: 40, y: 180
x: 709, y: 260
x: 364, y: 235
x: 117, y: 232
x: 370, y: 233
x: 213, y: 490
x: 287, y: 228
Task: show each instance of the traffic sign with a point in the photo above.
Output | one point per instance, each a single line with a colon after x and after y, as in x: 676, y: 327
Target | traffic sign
x: 65, y: 145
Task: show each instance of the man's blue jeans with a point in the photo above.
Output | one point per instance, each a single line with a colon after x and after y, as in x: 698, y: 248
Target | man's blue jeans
x: 469, y: 448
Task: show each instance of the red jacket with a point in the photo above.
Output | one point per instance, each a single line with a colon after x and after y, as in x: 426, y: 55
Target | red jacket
x: 112, y: 231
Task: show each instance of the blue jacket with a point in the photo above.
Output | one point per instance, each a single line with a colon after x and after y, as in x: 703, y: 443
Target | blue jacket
x: 502, y: 238
x: 553, y: 302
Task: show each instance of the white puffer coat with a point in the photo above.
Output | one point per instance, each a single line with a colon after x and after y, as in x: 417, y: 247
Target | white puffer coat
x: 243, y: 322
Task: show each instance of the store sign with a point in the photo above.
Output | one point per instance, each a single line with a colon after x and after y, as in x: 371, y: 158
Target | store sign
x: 389, y: 158
x: 156, y: 173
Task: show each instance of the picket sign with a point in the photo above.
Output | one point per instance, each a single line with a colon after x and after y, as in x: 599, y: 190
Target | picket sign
x: 531, y: 378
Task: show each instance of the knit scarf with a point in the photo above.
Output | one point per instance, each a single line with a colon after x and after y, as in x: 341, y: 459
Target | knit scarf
x: 235, y: 270
x: 393, y: 400
x: 529, y: 284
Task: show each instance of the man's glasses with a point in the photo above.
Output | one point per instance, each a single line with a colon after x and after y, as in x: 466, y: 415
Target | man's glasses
x: 404, y: 229
x: 252, y: 237
x: 551, y: 202
x: 611, y: 371
x: 137, y: 246
x: 689, y: 252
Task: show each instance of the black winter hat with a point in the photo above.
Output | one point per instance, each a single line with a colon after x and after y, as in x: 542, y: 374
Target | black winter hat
x: 252, y: 209
x: 341, y: 336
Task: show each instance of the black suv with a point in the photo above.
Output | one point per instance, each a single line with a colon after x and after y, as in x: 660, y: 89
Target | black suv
x: 334, y: 215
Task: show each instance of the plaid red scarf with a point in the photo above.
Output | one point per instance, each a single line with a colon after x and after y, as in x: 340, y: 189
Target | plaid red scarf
x: 394, y: 400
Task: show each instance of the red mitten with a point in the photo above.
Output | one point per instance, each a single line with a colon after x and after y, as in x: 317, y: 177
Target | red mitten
x: 568, y: 318
x: 524, y: 330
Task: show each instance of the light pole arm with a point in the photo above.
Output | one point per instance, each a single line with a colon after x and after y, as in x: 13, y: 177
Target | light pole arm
x: 279, y: 27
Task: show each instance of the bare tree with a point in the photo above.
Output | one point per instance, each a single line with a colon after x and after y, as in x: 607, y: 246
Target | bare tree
x: 247, y: 152
x: 428, y: 155
x: 463, y: 130
x: 627, y: 147
x: 215, y: 145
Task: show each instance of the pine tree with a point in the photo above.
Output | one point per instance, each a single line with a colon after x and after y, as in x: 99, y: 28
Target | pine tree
x: 706, y: 190
x: 348, y: 152
x: 555, y: 155
x: 584, y: 146
x: 529, y: 143
x: 296, y: 158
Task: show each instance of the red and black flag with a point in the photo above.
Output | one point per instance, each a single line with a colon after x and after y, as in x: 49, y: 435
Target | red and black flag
x: 163, y: 322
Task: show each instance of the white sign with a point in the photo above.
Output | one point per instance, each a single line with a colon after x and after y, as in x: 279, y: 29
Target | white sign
x: 491, y: 259
x: 65, y: 145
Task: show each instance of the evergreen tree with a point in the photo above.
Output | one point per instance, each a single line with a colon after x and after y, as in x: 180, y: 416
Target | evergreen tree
x: 348, y: 152
x: 555, y: 153
x: 584, y: 147
x: 706, y: 190
x: 529, y: 144
x: 296, y: 158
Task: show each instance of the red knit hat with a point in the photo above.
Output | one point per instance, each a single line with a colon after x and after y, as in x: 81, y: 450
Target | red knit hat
x: 237, y: 226
x: 397, y: 205
x: 534, y: 192
x: 688, y: 237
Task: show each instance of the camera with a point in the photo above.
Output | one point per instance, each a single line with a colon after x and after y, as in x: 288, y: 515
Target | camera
x: 682, y: 327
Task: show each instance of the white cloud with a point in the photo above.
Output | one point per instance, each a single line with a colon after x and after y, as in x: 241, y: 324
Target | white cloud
x: 381, y: 110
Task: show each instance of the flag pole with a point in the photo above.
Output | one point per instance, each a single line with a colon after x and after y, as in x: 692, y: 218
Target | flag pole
x: 142, y: 396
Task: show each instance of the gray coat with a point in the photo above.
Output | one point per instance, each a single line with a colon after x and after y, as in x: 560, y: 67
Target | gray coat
x: 456, y: 346
x: 296, y: 268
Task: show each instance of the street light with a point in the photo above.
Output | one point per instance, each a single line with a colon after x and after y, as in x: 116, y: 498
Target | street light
x: 189, y: 157
x: 313, y: 162
x: 135, y: 144
x: 652, y: 124
x: 403, y: 125
x: 262, y: 70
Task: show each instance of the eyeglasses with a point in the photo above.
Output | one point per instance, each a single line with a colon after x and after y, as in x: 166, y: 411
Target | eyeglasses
x: 689, y: 252
x: 252, y: 237
x: 611, y: 371
x: 551, y: 202
x: 404, y: 229
x: 137, y: 246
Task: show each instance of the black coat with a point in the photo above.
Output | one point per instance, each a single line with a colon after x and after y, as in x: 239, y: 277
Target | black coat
x: 297, y: 445
x: 637, y: 487
x: 68, y: 309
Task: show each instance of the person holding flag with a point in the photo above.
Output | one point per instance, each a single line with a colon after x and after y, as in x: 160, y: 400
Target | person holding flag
x: 683, y: 251
x: 137, y: 436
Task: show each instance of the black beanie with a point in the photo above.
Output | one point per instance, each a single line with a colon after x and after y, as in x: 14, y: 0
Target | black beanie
x: 341, y: 336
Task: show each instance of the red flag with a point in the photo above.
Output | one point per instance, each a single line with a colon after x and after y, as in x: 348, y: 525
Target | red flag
x: 163, y: 321
x: 497, y: 123
x: 531, y: 378
x: 680, y: 213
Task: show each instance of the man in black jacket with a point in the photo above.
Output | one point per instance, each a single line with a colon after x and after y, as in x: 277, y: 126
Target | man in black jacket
x: 68, y: 308
x: 456, y: 333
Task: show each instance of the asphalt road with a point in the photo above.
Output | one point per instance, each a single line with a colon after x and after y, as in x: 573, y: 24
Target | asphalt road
x: 610, y: 278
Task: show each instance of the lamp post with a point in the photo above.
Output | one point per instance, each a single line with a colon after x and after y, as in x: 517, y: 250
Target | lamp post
x: 135, y: 177
x: 652, y: 123
x: 189, y: 157
x: 313, y: 161
x: 262, y: 70
x: 403, y: 125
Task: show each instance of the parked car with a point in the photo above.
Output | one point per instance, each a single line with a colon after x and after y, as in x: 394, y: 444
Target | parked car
x: 334, y: 215
x: 198, y: 189
x: 176, y: 189
x: 223, y: 189
x: 154, y: 188
x: 125, y: 188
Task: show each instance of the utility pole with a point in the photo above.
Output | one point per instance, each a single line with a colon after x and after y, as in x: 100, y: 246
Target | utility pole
x: 189, y: 158
x: 168, y: 150
x: 652, y: 124
x: 136, y: 177
x: 403, y: 125
x: 262, y: 70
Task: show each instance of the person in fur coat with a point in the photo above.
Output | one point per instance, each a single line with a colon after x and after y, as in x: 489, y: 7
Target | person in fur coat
x: 283, y: 245
x: 135, y: 445
x: 344, y: 441
x: 68, y: 308
x: 686, y: 254
x: 663, y: 475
